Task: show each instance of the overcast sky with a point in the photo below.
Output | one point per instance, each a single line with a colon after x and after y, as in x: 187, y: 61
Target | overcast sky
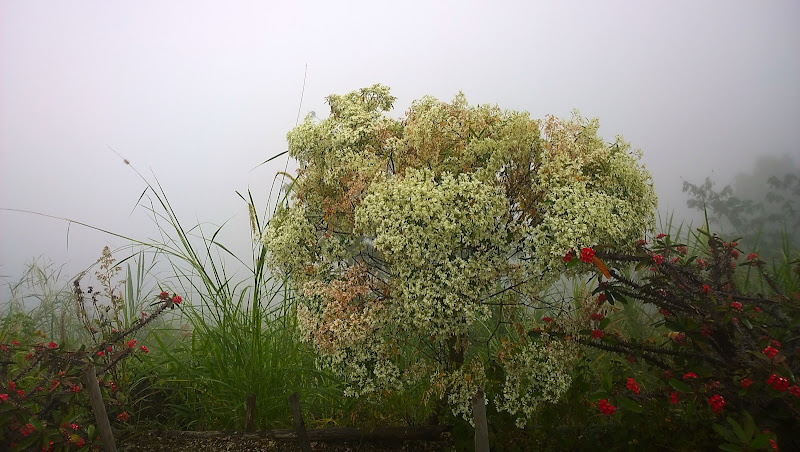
x: 197, y: 93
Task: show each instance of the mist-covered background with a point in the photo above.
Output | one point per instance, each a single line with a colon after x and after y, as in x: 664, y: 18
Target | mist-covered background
x: 198, y: 93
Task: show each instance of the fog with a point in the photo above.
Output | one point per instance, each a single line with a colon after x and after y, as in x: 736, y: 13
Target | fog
x: 196, y: 94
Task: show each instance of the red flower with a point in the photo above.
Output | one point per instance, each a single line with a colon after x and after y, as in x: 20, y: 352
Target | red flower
x: 52, y: 345
x: 123, y: 416
x: 144, y: 349
x: 717, y: 403
x: 757, y: 308
x: 163, y: 296
x: 601, y: 298
x: 770, y: 351
x: 773, y: 444
x: 15, y: 343
x: 596, y: 316
x: 101, y: 353
x: 701, y: 263
x: 633, y: 386
x: 679, y: 338
x: 689, y: 375
x: 662, y: 292
x: 673, y: 398
x: 736, y: 305
x: 706, y: 289
x: 745, y: 382
x: 735, y: 254
x: 606, y: 408
x: 587, y: 254
x: 641, y: 242
x: 131, y: 343
x: 682, y: 249
x: 706, y: 331
x: 3, y: 397
x: 795, y: 391
x: 597, y: 334
x: 778, y: 383
x: 74, y: 426
x: 177, y: 299
x: 567, y: 257
x: 76, y: 388
x: 658, y: 258
x: 664, y: 312
x: 776, y: 344
x: 752, y: 256
x: 547, y: 319
x: 661, y: 236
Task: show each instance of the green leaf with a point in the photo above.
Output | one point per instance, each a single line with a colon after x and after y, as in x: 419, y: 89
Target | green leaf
x: 747, y: 324
x: 725, y: 433
x: 680, y: 386
x: 629, y: 404
x: 731, y: 447
x: 597, y: 396
x: 605, y: 381
x: 760, y: 441
x: 737, y: 429
x: 749, y: 425
x: 604, y: 323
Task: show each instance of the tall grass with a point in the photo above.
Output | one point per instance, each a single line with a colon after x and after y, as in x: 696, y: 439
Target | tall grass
x: 240, y: 338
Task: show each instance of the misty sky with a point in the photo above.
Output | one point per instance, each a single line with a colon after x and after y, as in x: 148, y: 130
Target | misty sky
x: 198, y: 93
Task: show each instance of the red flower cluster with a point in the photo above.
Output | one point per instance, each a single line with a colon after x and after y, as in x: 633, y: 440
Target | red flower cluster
x: 633, y: 386
x: 795, y: 391
x: 27, y: 429
x: 706, y: 289
x: 606, y: 408
x: 177, y: 299
x: 736, y: 305
x: 689, y: 375
x: 770, y: 351
x: 673, y: 398
x: 601, y: 298
x: 597, y: 316
x: 547, y: 319
x: 144, y: 349
x: 658, y: 258
x: 706, y: 331
x: 701, y: 263
x: 567, y: 257
x: 779, y: 384
x: 597, y: 334
x: 587, y: 254
x: 682, y: 249
x: 52, y: 345
x: 123, y: 416
x: 131, y: 343
x: 717, y: 403
x: 745, y: 382
x: 661, y: 236
x: 752, y: 256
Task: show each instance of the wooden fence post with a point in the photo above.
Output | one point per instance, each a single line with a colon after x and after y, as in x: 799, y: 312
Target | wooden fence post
x: 250, y: 413
x: 99, y: 409
x: 299, y: 425
x: 481, y: 424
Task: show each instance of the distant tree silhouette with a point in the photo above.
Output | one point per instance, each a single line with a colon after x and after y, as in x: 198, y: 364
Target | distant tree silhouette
x: 763, y: 205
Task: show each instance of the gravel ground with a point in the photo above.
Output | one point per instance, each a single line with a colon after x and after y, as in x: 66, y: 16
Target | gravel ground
x: 157, y: 442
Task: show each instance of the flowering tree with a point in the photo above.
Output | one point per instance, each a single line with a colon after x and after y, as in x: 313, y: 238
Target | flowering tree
x: 420, y: 247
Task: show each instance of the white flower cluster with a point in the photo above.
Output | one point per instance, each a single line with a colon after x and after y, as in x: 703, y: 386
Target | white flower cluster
x: 402, y: 233
x: 535, y: 373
